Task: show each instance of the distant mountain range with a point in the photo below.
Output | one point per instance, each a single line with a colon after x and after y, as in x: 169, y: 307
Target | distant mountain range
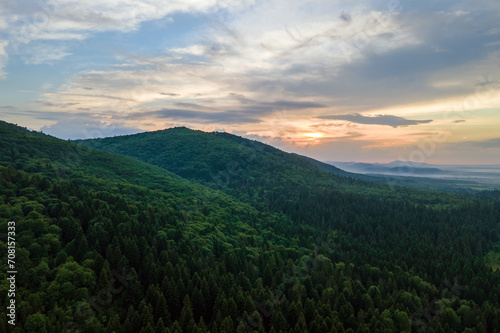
x: 481, y: 174
x: 396, y: 168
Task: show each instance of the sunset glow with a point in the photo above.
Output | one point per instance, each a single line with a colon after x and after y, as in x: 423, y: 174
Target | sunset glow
x: 314, y: 135
x: 323, y: 79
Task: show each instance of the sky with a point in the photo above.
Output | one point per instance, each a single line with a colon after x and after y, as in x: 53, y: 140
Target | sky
x: 372, y: 81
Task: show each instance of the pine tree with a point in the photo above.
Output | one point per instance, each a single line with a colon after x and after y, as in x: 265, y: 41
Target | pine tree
x: 186, y: 314
x: 147, y: 316
x: 278, y: 320
x: 161, y: 310
x: 147, y: 329
x: 226, y: 325
x: 160, y: 326
x: 104, y: 278
x: 113, y: 324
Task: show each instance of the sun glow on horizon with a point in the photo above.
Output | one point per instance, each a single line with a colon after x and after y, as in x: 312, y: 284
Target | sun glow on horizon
x: 314, y: 135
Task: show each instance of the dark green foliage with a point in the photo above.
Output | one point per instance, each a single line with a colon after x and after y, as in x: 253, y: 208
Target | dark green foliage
x: 256, y: 240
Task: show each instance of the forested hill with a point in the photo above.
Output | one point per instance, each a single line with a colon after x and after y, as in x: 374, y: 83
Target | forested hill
x: 251, y: 239
x: 83, y: 217
x: 245, y: 168
x: 226, y: 161
x: 217, y: 159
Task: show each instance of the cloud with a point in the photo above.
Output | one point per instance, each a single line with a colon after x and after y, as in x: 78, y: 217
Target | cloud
x: 388, y: 120
x: 25, y: 22
x: 269, y: 71
x: 195, y: 50
x: 240, y: 98
x: 224, y: 117
x: 239, y: 133
x: 64, y: 105
x: 49, y: 115
x: 294, y: 105
x: 266, y: 108
x: 85, y: 128
x: 45, y: 54
x: 485, y: 144
x: 442, y: 47
x: 4, y: 57
x: 191, y: 105
x: 61, y: 36
x: 71, y: 19
x: 264, y: 54
x: 345, y: 17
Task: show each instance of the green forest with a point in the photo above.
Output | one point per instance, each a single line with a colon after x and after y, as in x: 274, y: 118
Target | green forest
x: 187, y: 231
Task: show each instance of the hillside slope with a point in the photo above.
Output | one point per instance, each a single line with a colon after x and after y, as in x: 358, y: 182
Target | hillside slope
x: 110, y: 243
x: 245, y: 168
x: 83, y: 215
x: 385, y: 226
x: 220, y: 160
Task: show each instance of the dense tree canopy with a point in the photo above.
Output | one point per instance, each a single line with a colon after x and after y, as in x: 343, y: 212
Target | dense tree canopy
x: 215, y: 233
